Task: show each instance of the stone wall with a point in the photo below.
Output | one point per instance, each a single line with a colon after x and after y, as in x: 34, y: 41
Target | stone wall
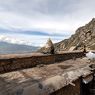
x: 69, y: 89
x: 15, y: 63
x: 69, y: 55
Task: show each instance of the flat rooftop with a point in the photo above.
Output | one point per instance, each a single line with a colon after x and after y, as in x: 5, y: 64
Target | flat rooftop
x: 43, y: 78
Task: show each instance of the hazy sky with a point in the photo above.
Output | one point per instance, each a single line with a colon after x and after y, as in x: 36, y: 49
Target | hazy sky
x: 32, y: 22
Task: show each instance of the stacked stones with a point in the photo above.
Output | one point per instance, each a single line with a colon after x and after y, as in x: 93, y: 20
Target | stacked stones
x: 49, y: 47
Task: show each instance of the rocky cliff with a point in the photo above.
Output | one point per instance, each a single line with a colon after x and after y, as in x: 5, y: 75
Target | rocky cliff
x: 84, y: 35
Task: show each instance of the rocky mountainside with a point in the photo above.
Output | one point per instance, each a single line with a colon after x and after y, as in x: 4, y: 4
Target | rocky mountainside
x: 84, y: 35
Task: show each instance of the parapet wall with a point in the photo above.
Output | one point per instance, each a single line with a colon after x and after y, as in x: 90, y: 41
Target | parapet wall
x: 69, y: 89
x: 18, y: 62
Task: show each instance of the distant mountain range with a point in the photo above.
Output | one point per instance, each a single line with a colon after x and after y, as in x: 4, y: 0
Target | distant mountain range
x: 84, y: 35
x: 8, y: 48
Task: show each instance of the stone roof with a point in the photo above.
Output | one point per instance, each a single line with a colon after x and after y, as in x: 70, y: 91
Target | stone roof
x: 44, y: 79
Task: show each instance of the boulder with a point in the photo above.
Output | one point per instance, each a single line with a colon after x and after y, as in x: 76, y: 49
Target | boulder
x: 48, y: 48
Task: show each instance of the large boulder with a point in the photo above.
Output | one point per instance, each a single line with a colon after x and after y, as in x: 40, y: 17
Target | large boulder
x: 48, y: 48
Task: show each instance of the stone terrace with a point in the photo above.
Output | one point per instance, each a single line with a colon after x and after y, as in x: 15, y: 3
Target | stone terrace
x: 44, y: 79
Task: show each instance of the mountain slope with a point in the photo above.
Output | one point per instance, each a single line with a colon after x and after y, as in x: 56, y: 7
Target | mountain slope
x: 7, y: 48
x: 84, y: 35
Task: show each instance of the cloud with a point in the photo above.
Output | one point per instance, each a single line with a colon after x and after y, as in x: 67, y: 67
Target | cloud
x: 52, y: 15
x: 13, y: 41
x: 31, y: 40
x: 49, y: 17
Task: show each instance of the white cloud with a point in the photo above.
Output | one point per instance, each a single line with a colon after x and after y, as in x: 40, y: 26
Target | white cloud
x: 28, y: 39
x: 13, y: 40
x: 50, y: 16
x: 55, y: 15
x: 15, y: 21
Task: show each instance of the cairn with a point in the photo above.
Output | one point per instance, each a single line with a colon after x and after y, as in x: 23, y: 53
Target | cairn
x: 49, y: 47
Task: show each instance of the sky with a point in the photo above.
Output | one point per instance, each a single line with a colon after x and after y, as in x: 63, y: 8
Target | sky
x: 32, y: 22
